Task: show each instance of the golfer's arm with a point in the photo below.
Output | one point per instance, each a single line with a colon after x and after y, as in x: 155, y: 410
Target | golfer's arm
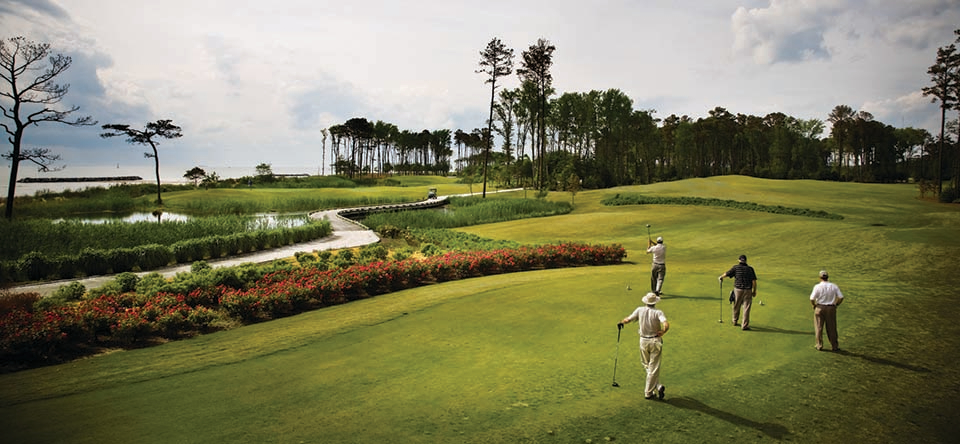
x: 754, y: 286
x: 666, y: 326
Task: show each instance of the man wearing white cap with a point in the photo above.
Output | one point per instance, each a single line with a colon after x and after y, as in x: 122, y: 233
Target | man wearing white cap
x: 659, y: 268
x: 825, y: 298
x: 653, y: 325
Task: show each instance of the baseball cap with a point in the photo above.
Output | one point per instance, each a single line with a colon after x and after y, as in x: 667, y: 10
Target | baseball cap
x: 743, y: 257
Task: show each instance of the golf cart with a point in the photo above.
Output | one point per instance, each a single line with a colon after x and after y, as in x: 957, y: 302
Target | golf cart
x: 432, y: 194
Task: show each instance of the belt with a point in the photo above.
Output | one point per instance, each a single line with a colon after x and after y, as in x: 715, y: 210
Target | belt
x: 649, y: 337
x: 827, y: 305
x: 658, y: 264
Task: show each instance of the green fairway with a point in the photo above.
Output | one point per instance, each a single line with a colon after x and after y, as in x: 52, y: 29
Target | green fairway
x: 529, y: 357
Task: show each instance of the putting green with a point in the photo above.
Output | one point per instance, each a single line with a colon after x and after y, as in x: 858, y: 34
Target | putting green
x: 529, y: 357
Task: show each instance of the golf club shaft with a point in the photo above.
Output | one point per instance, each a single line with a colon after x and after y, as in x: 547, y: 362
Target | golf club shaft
x: 721, y: 301
x: 616, y: 360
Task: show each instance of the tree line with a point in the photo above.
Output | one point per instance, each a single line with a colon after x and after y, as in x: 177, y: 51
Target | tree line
x: 599, y: 140
x: 593, y: 139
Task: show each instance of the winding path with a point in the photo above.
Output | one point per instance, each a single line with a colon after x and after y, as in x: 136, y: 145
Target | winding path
x: 346, y: 234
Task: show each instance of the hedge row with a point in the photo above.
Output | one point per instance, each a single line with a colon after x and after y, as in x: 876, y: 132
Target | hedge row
x: 90, y: 262
x: 60, y: 332
x: 639, y: 199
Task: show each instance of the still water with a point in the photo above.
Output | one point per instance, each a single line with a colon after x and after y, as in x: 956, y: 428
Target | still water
x: 257, y: 221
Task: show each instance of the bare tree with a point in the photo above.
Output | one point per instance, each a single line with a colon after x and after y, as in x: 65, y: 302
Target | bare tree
x: 29, y: 96
x: 323, y: 154
x: 495, y: 61
x: 148, y: 136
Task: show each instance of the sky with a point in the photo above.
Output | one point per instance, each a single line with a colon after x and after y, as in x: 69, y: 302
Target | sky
x: 254, y: 82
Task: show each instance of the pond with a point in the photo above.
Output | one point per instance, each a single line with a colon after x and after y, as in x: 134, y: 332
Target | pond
x: 257, y: 221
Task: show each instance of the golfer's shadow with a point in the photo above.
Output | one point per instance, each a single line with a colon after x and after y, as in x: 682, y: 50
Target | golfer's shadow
x: 767, y: 329
x: 775, y: 431
x: 883, y: 361
x: 667, y: 296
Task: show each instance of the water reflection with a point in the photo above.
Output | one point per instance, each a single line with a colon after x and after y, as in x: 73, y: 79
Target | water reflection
x: 255, y: 222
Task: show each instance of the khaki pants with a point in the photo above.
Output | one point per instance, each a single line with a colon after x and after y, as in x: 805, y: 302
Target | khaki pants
x: 650, y: 350
x: 657, y: 273
x: 742, y: 298
x: 826, y: 316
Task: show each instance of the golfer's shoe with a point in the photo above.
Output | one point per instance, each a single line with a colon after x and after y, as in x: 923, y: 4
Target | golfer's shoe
x: 663, y: 388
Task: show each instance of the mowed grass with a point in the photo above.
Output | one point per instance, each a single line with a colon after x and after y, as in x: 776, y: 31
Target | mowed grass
x: 529, y: 357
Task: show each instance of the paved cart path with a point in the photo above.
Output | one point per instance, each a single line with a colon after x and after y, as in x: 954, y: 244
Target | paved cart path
x: 346, y: 234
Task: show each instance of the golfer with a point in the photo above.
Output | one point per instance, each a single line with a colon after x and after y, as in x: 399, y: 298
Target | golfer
x: 653, y: 325
x: 825, y: 298
x: 659, y: 268
x: 744, y: 289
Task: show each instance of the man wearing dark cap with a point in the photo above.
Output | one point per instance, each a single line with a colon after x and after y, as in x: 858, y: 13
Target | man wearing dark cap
x: 744, y: 289
x: 825, y: 298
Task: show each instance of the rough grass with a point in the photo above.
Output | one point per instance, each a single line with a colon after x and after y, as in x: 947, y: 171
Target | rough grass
x: 529, y: 357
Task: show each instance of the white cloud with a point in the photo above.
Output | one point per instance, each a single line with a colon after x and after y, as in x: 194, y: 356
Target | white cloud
x: 785, y: 31
x: 251, y: 80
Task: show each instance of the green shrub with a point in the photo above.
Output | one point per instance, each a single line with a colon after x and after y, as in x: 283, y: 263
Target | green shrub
x: 71, y: 292
x: 346, y: 255
x: 153, y: 256
x: 390, y: 232
x: 150, y: 284
x: 373, y: 253
x: 34, y: 266
x: 92, y: 262
x: 304, y: 257
x: 200, y: 266
x: 429, y: 249
x: 120, y: 260
x: 402, y: 254
x: 127, y: 281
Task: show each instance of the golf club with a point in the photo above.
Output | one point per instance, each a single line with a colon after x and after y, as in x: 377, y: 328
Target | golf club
x: 617, y: 358
x: 648, y: 233
x: 721, y: 301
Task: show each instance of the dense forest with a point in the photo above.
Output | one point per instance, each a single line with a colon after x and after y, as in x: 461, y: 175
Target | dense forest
x: 596, y: 139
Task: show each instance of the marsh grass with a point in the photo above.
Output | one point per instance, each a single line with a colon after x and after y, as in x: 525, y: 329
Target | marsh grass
x: 464, y: 211
x: 71, y: 236
x: 528, y: 357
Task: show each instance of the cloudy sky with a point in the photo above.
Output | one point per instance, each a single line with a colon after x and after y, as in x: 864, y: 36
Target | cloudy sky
x: 255, y: 82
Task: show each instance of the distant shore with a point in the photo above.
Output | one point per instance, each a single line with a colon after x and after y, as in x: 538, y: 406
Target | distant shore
x: 78, y: 179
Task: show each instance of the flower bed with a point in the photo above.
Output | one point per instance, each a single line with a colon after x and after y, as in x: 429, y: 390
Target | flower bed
x: 66, y: 331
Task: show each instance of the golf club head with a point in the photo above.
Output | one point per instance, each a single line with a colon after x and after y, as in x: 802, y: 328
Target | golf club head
x: 615, y: 384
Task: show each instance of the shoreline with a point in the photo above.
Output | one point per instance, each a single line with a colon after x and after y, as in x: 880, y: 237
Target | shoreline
x: 78, y: 179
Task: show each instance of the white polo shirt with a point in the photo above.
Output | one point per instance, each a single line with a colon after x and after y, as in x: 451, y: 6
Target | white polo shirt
x: 659, y: 253
x: 826, y: 293
x: 650, y: 320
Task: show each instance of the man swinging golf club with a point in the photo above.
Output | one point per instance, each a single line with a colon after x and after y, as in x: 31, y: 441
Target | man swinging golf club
x: 658, y: 270
x: 653, y: 325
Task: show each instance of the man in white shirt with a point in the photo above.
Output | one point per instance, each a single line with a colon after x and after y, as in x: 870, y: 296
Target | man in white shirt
x: 825, y: 298
x: 653, y: 325
x: 659, y: 268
